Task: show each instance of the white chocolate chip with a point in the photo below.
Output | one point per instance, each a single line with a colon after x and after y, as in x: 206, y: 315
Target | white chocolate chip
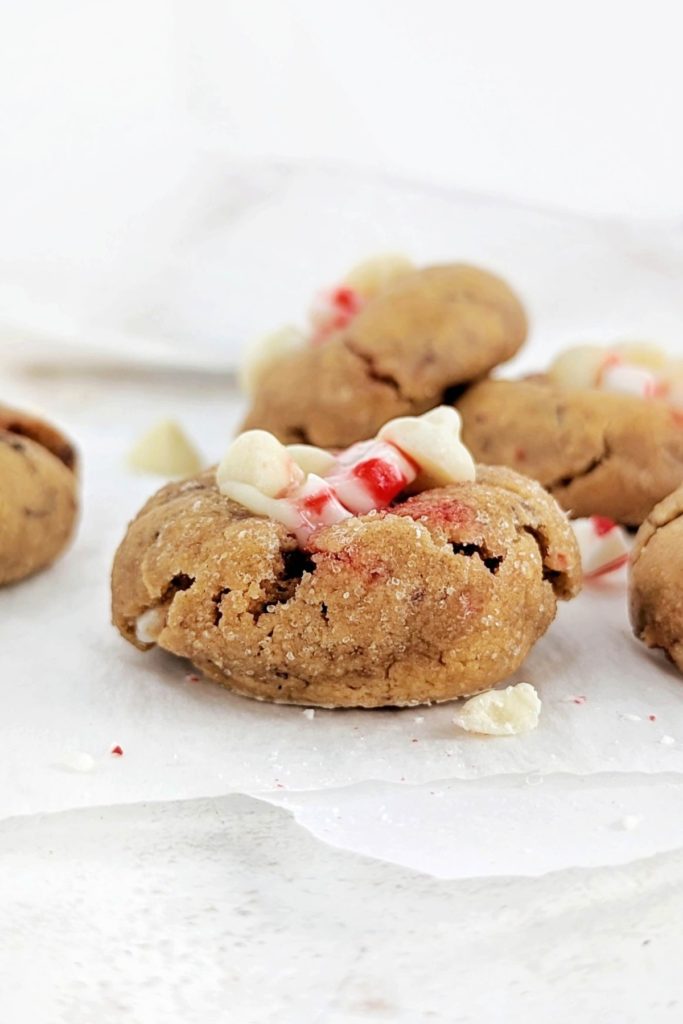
x: 516, y: 709
x: 642, y: 353
x: 433, y: 442
x: 258, y: 459
x: 261, y: 352
x: 311, y: 459
x: 149, y: 624
x: 376, y: 273
x: 166, y: 451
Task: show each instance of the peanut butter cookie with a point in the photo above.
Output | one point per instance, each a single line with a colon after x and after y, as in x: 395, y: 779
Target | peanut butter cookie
x: 436, y: 596
x: 420, y: 336
x: 38, y: 494
x: 656, y: 579
x: 599, y: 453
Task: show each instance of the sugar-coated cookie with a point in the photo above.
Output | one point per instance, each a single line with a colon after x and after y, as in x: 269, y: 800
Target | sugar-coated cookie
x: 656, y: 579
x: 598, y: 452
x: 38, y: 494
x: 316, y: 601
x: 396, y: 351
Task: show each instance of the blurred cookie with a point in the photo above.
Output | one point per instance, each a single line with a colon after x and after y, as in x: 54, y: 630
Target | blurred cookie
x: 599, y: 453
x: 397, y: 351
x: 656, y: 579
x: 425, y: 599
x: 38, y: 494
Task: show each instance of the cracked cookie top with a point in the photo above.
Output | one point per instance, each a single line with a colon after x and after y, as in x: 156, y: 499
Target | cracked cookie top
x: 398, y: 350
x: 599, y: 453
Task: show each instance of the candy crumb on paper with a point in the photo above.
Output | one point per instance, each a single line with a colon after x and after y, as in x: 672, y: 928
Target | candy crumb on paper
x: 77, y: 761
x: 309, y: 713
x: 629, y: 822
x: 508, y: 712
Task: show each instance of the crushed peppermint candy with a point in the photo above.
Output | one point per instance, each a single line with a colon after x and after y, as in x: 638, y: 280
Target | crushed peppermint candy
x: 412, y: 452
x: 604, y: 546
x: 628, y: 368
x: 117, y: 750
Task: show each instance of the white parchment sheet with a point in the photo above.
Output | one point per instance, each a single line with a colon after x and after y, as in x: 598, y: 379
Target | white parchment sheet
x: 600, y: 780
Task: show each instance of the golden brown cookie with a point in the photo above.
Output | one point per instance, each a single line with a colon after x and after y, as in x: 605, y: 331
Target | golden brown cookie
x: 656, y: 579
x: 436, y: 597
x: 38, y: 494
x: 430, y: 331
x: 598, y: 453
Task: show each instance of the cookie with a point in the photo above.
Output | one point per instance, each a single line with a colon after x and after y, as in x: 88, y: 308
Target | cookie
x: 599, y: 453
x: 422, y: 335
x: 427, y: 598
x: 656, y: 579
x: 38, y: 494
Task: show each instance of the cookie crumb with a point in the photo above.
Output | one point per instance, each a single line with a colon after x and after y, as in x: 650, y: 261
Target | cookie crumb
x: 309, y: 713
x: 629, y: 822
x: 508, y: 712
x: 77, y: 761
x: 419, y: 719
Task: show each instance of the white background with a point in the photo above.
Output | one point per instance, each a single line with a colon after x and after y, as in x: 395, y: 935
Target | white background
x: 576, y: 105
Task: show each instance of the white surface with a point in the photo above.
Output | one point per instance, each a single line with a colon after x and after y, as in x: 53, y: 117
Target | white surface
x: 548, y: 801
x: 226, y: 911
x: 105, y: 105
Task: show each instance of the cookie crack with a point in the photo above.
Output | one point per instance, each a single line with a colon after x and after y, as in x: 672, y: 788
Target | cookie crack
x: 582, y: 474
x: 283, y: 587
x: 491, y: 561
x: 555, y: 577
x: 372, y: 371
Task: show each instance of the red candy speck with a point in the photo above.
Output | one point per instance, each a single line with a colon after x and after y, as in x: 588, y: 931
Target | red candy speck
x: 602, y: 525
x: 117, y: 751
x: 447, y: 512
x: 381, y: 479
x: 315, y: 503
x: 653, y: 718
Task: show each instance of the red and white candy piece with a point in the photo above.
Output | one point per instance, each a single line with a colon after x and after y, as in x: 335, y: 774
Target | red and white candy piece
x: 603, y: 545
x: 333, y: 309
x: 629, y: 379
x: 304, y: 487
x: 628, y: 368
x: 370, y: 474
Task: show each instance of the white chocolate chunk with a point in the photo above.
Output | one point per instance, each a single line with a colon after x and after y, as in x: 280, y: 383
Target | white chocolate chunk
x: 433, y: 442
x: 261, y: 352
x: 149, y: 624
x: 311, y: 459
x: 258, y: 459
x: 508, y: 712
x: 166, y: 451
x: 374, y: 274
x: 579, y: 367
